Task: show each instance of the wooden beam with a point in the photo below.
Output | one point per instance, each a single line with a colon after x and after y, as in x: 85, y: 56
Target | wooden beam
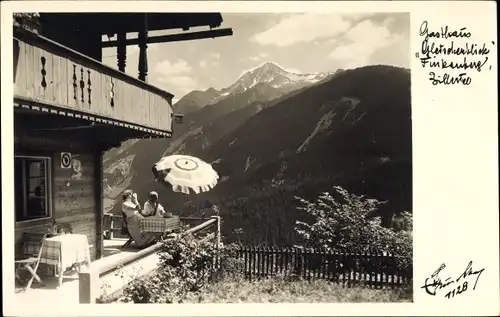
x: 88, y: 286
x: 143, y: 47
x: 109, y: 22
x: 175, y: 37
x: 121, y: 50
x: 99, y: 201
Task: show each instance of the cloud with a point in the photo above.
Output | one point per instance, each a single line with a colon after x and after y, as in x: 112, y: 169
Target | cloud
x: 215, y: 56
x: 258, y: 57
x: 204, y: 63
x: 212, y: 60
x: 178, y: 85
x: 166, y: 67
x: 175, y: 76
x: 359, y: 44
x: 306, y: 28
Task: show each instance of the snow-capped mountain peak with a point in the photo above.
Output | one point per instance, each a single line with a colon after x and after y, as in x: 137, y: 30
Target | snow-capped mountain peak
x: 268, y: 73
x: 275, y: 76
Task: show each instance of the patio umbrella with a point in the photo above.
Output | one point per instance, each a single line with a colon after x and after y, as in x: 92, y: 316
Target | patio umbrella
x: 185, y: 173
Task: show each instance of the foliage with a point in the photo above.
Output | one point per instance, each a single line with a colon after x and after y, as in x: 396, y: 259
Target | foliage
x: 283, y: 290
x: 186, y: 274
x: 27, y: 20
x: 346, y: 221
x: 28, y: 15
x: 238, y: 234
x: 186, y: 265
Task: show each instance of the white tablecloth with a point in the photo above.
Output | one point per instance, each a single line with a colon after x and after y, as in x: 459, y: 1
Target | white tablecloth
x: 69, y: 249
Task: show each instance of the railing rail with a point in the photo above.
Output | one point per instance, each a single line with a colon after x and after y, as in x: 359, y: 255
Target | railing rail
x: 89, y: 279
x: 49, y: 73
x: 110, y: 220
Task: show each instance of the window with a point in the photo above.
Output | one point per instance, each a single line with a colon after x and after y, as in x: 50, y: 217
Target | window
x: 31, y: 181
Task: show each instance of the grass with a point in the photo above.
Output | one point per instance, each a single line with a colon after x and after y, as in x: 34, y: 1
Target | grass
x: 279, y: 290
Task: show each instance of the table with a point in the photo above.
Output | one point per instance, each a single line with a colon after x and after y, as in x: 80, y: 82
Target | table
x: 159, y: 225
x: 65, y: 251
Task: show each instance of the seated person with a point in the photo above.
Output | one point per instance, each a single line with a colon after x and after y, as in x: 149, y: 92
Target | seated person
x: 132, y: 214
x: 152, y: 207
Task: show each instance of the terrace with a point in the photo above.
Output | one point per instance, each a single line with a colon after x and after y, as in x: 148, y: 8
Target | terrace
x: 107, y: 275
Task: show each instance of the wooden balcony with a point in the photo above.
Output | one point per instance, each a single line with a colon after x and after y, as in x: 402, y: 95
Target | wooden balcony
x: 56, y: 79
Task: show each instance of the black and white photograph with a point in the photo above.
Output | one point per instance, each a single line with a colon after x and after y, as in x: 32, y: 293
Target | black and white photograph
x: 213, y: 157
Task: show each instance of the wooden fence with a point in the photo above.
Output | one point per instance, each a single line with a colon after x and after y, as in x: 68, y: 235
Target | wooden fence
x: 372, y: 269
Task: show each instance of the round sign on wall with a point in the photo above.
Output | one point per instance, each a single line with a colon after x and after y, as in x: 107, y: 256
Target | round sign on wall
x: 65, y: 160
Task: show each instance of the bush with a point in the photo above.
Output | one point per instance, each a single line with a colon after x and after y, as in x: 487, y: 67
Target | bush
x: 346, y: 221
x: 186, y: 265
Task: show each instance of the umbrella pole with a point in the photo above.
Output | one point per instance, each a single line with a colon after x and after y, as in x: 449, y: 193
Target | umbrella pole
x: 197, y: 200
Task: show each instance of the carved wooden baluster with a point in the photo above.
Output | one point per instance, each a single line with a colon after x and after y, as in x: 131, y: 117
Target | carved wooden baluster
x: 75, y: 86
x: 89, y: 89
x: 44, y: 72
x: 112, y: 93
x: 82, y: 83
x: 121, y: 50
x: 143, y: 46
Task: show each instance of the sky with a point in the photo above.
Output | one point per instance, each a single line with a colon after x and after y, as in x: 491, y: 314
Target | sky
x: 304, y: 43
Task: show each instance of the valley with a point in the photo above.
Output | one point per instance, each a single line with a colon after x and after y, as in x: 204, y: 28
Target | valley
x: 276, y: 135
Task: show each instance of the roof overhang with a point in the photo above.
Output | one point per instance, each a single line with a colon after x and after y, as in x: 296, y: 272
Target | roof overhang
x: 113, y: 22
x: 90, y: 118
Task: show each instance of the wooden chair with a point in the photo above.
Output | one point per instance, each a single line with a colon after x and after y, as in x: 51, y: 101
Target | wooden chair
x: 130, y: 239
x: 65, y: 227
x: 30, y: 260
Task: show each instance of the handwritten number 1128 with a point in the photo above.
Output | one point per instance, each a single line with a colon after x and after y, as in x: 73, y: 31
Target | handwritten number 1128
x: 456, y: 291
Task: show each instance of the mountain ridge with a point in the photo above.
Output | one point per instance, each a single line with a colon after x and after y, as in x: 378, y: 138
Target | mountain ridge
x: 268, y: 72
x: 353, y: 129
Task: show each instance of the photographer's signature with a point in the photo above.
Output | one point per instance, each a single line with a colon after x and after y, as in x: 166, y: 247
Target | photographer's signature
x: 451, y: 287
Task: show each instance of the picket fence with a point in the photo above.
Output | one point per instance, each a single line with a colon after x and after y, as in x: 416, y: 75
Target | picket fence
x: 372, y: 269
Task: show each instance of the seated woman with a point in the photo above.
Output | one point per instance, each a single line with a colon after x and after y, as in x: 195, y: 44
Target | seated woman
x: 132, y: 214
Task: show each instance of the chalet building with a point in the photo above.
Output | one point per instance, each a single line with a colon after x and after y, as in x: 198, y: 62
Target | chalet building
x: 69, y: 108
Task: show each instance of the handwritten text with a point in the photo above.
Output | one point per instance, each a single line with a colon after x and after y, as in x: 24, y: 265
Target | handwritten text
x: 451, y: 287
x: 451, y: 56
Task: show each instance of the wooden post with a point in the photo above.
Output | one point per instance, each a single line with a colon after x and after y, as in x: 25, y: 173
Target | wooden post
x: 121, y: 50
x: 99, y: 201
x: 217, y: 219
x: 108, y: 226
x: 89, y: 287
x: 217, y: 238
x: 16, y: 57
x: 111, y: 226
x: 143, y: 46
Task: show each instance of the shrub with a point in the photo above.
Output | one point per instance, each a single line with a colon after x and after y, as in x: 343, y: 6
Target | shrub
x: 185, y: 266
x: 346, y: 221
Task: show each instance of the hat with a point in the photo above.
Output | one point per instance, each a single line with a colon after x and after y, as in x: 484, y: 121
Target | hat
x: 153, y: 193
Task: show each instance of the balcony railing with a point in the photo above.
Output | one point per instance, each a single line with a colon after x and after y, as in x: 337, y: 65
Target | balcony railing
x: 89, y: 279
x: 48, y: 73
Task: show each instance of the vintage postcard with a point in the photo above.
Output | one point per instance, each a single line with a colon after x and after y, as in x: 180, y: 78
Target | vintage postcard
x: 248, y: 158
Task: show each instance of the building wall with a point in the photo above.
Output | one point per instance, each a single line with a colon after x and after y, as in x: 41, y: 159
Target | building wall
x: 75, y: 195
